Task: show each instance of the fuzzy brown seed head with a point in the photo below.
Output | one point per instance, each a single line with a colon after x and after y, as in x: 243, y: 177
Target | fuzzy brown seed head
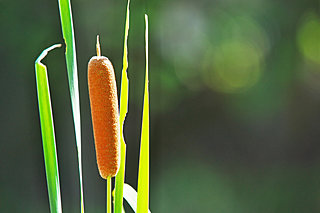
x: 105, y: 115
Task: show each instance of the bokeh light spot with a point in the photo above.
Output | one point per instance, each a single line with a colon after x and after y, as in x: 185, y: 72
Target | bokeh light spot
x: 236, y: 52
x: 234, y: 67
x: 308, y: 37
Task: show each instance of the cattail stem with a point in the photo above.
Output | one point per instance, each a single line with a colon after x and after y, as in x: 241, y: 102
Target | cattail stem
x: 108, y: 195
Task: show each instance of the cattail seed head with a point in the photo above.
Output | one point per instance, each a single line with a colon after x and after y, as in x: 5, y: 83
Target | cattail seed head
x: 105, y: 115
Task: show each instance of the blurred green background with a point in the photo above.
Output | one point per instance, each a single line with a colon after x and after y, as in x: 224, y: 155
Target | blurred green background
x: 234, y: 96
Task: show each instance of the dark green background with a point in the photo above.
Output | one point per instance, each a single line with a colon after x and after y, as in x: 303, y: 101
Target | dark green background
x: 234, y: 96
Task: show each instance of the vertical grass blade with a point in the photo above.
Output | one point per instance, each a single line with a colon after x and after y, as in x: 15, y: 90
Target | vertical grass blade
x: 124, y: 93
x: 143, y: 176
x: 68, y: 35
x: 47, y: 130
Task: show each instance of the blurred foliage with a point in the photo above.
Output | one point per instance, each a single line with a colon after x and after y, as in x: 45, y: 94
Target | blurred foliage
x: 205, y: 188
x: 233, y: 84
x: 308, y: 38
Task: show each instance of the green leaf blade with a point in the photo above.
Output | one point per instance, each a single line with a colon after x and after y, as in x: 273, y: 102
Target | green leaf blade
x: 68, y: 35
x: 47, y: 131
x: 143, y: 176
x: 124, y: 94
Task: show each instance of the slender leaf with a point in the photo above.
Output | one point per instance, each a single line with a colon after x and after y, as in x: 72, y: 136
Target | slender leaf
x: 68, y: 35
x: 47, y: 130
x: 143, y: 176
x: 131, y: 196
x: 124, y: 93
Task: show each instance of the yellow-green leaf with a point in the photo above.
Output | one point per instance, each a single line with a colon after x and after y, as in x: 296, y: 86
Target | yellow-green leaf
x: 124, y: 93
x: 143, y: 176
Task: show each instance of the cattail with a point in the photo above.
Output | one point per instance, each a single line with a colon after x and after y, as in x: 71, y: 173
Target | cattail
x: 105, y: 116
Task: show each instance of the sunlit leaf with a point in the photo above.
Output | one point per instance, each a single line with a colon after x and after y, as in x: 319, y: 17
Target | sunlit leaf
x: 47, y: 130
x: 124, y: 93
x: 68, y: 35
x: 143, y: 176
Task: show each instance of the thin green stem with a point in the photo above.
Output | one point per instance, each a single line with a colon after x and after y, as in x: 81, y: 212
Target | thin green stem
x: 108, y: 195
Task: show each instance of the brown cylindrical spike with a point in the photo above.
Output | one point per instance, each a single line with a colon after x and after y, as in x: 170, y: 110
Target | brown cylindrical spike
x: 105, y: 115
